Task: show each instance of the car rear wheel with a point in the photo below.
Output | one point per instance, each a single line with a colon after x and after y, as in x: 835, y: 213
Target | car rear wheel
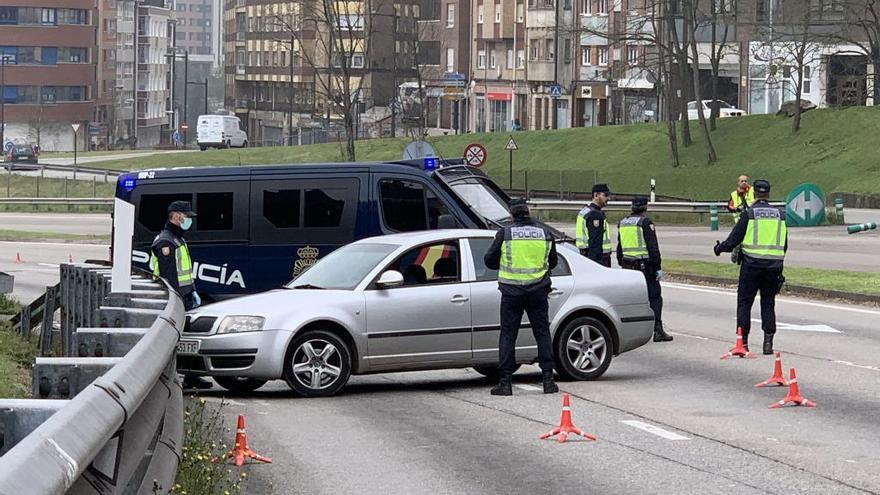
x: 228, y: 144
x: 491, y: 372
x: 239, y: 384
x: 203, y: 148
x: 317, y: 364
x: 584, y: 349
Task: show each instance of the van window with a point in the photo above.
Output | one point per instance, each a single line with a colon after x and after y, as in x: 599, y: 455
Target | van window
x: 281, y: 207
x: 214, y: 211
x: 323, y: 207
x: 153, y: 210
x: 408, y: 206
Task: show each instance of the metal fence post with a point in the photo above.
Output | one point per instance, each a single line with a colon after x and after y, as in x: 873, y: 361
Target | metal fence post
x: 713, y: 217
x: 48, y: 320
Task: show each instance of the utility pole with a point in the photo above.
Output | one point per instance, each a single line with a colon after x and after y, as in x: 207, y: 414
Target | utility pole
x: 185, y: 84
x: 3, y: 103
x: 290, y: 91
x: 555, y: 62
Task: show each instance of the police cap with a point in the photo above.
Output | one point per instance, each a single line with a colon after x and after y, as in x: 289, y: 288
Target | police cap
x: 761, y: 186
x: 518, y: 207
x: 184, y: 207
x: 639, y: 203
x: 601, y: 188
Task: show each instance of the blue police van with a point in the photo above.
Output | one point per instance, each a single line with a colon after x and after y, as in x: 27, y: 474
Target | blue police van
x: 260, y: 226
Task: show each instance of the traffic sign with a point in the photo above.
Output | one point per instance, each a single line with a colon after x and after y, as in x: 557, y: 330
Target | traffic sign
x: 805, y: 206
x: 75, y: 127
x: 184, y: 126
x: 418, y: 149
x: 555, y: 91
x: 511, y: 145
x: 475, y: 155
x: 8, y: 145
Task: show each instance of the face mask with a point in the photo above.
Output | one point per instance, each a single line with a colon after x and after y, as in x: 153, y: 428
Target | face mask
x: 186, y: 223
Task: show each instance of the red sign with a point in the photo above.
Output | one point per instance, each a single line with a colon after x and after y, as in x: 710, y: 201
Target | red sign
x: 475, y: 155
x: 499, y: 96
x: 184, y: 126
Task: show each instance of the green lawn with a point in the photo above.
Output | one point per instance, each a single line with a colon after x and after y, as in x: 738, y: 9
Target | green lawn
x: 16, y: 359
x: 840, y: 280
x: 23, y: 235
x: 835, y: 149
x: 26, y: 186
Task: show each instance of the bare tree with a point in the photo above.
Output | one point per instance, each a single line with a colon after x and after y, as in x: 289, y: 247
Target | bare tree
x: 721, y: 15
x: 690, y: 27
x: 859, y: 25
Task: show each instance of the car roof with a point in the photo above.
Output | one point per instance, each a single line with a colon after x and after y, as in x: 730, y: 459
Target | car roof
x: 422, y: 236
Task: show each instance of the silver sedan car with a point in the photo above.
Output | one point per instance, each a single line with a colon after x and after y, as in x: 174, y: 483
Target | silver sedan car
x: 414, y: 301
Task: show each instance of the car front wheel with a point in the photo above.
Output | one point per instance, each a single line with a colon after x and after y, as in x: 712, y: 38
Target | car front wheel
x: 239, y: 384
x: 584, y: 349
x: 317, y: 364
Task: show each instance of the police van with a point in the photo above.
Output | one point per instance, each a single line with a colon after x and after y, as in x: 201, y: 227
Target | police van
x: 260, y: 226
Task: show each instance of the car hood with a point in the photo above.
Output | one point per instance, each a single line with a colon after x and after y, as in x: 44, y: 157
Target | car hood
x: 276, y: 303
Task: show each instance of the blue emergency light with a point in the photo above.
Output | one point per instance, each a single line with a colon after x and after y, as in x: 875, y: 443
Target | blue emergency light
x: 430, y: 163
x: 129, y: 184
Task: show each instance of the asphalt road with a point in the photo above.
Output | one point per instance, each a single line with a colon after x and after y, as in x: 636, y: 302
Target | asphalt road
x: 40, y: 261
x: 67, y: 223
x: 670, y: 418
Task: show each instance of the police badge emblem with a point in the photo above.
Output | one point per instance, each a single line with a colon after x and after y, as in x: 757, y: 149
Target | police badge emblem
x: 308, y: 256
x: 595, y: 223
x: 166, y: 250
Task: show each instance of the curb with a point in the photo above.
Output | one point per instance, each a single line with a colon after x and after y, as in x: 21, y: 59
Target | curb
x: 789, y: 289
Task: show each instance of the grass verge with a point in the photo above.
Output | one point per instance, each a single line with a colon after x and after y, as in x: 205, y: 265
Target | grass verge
x: 16, y: 359
x: 837, y: 280
x: 23, y: 235
x: 33, y: 186
x: 201, y: 470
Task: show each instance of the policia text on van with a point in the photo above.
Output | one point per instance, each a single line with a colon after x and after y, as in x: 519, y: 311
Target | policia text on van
x: 260, y: 226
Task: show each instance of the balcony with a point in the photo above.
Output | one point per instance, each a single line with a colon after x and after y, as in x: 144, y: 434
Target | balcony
x: 593, y: 28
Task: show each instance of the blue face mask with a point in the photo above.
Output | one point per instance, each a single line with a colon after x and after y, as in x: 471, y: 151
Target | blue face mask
x: 186, y: 223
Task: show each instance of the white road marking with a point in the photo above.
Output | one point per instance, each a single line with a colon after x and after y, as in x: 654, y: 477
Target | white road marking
x: 655, y: 430
x: 530, y: 388
x: 688, y: 335
x: 50, y: 265
x: 862, y: 366
x: 778, y: 299
x: 802, y: 328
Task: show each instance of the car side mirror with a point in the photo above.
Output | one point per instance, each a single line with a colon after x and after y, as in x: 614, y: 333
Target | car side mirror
x: 390, y: 279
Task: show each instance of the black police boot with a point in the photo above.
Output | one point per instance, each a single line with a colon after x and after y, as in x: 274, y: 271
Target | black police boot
x: 660, y: 335
x: 196, y: 382
x: 504, y: 387
x: 550, y: 386
x: 768, y: 344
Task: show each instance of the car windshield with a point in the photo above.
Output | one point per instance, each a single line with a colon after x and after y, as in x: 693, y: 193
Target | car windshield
x: 23, y: 149
x: 482, y: 199
x: 344, y: 268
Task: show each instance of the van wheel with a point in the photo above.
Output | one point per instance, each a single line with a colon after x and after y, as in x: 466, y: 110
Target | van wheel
x: 239, y: 384
x: 244, y: 144
x: 228, y: 144
x: 317, y: 364
x: 583, y: 350
x: 203, y: 148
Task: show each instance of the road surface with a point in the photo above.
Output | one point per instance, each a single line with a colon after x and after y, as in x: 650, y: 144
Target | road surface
x: 670, y: 418
x: 39, y: 266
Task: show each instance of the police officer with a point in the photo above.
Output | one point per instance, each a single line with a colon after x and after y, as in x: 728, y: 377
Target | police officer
x: 592, y: 235
x: 523, y: 253
x: 170, y: 260
x: 742, y: 197
x: 637, y: 249
x: 764, y: 237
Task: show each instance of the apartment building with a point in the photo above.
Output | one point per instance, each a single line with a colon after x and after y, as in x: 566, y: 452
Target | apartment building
x: 197, y: 29
x: 552, y: 49
x: 47, y: 72
x: 444, y: 60
x: 155, y: 32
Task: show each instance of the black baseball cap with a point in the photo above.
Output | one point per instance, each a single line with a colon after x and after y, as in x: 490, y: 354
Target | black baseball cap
x: 601, y: 188
x: 518, y: 205
x: 761, y: 186
x: 640, y: 202
x: 184, y: 207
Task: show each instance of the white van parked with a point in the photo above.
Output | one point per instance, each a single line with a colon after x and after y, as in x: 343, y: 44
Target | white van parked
x: 220, y: 131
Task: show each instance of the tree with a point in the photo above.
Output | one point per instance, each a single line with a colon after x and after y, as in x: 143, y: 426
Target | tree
x: 690, y: 28
x: 722, y: 14
x: 860, y: 26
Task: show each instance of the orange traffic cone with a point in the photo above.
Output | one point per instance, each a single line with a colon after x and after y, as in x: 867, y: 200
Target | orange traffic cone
x: 70, y: 258
x: 739, y: 350
x: 777, y: 377
x: 18, y: 258
x: 794, y: 395
x: 565, y: 425
x: 240, y: 450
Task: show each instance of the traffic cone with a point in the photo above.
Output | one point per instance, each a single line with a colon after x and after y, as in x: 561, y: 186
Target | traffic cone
x: 794, y: 395
x: 739, y: 350
x: 565, y: 425
x: 70, y: 258
x: 240, y: 450
x: 777, y: 377
x: 18, y: 258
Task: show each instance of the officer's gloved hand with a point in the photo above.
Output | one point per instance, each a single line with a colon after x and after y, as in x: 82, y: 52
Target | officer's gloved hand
x: 197, y: 301
x: 659, y: 275
x: 717, y: 248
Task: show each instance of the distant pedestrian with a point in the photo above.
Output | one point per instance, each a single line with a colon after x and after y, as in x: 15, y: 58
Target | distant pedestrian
x: 742, y: 197
x: 638, y: 249
x: 592, y: 235
x: 523, y: 253
x: 762, y: 231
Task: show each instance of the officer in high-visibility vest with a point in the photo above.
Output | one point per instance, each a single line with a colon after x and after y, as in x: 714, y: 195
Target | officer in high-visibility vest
x: 637, y: 249
x: 764, y: 237
x: 523, y: 253
x: 742, y: 197
x: 592, y: 235
x: 170, y: 259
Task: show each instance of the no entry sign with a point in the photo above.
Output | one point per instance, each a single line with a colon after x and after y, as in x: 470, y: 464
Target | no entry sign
x: 475, y: 155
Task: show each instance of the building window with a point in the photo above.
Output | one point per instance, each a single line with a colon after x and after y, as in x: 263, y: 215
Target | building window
x: 724, y: 6
x: 357, y: 60
x: 73, y: 16
x: 73, y: 55
x: 509, y: 64
x: 497, y: 13
x: 48, y: 17
x: 602, y: 7
x: 481, y: 59
x: 807, y: 80
x: 534, y: 50
x: 520, y: 12
x: 566, y: 50
x: 632, y: 55
x: 587, y: 7
x: 450, y: 15
x: 450, y: 60
x: 603, y: 55
x: 585, y: 56
x: 480, y: 13
x: 548, y: 49
x: 520, y: 59
x: 492, y: 59
x: 8, y: 15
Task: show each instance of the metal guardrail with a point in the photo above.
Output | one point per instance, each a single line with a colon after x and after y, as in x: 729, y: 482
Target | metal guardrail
x: 64, y: 168
x: 108, y: 418
x: 58, y: 201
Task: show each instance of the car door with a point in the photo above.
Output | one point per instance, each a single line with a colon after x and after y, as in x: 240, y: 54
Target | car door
x: 427, y: 320
x: 486, y: 302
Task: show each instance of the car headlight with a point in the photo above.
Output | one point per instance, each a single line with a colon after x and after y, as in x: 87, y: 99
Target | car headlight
x: 235, y: 324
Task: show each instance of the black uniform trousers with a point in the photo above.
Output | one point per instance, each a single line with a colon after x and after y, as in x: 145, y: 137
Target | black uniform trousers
x: 655, y: 299
x: 752, y: 280
x: 534, y: 303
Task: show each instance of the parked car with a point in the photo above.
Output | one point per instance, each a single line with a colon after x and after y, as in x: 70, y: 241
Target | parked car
x: 724, y: 109
x: 220, y: 131
x: 413, y: 301
x: 22, y: 153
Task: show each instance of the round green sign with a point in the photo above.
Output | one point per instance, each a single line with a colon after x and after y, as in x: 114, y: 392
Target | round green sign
x: 805, y: 206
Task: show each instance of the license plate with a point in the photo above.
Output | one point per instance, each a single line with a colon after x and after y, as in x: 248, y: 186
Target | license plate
x: 188, y: 347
